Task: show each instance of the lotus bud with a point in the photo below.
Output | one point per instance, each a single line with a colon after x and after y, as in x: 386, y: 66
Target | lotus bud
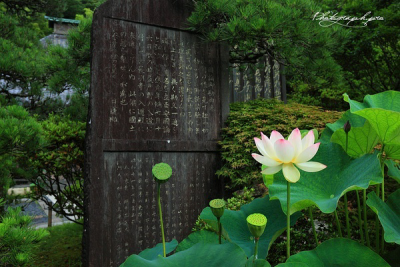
x: 217, y: 207
x: 161, y: 172
x: 256, y: 223
x: 347, y: 127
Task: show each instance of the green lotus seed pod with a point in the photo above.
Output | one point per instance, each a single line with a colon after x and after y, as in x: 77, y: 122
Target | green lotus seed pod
x: 217, y: 207
x: 162, y: 172
x: 256, y: 223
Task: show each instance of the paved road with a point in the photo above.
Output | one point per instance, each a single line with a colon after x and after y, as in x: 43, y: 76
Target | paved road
x: 38, y: 210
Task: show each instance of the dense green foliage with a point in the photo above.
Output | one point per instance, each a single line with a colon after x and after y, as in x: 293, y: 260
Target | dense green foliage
x: 63, y: 247
x: 283, y: 30
x: 17, y: 238
x: 20, y: 139
x: 48, y: 154
x: 369, y: 62
x: 280, y: 29
x: 21, y: 63
x: 247, y: 120
x: 321, y: 63
x: 60, y: 165
x: 35, y: 76
x: 240, y: 198
x: 70, y: 8
x: 371, y: 59
x: 70, y: 67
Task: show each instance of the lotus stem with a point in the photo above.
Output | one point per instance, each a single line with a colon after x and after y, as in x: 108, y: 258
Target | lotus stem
x: 219, y: 229
x: 383, y: 195
x: 383, y: 241
x: 383, y: 188
x: 359, y: 217
x: 161, y: 219
x: 347, y: 215
x: 288, y: 221
x: 338, y: 224
x: 256, y: 248
x: 313, y: 226
x: 365, y: 217
x: 382, y: 161
x: 377, y: 225
x: 346, y: 210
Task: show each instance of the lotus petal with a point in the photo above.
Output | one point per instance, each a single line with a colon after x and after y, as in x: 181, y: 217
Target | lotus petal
x: 265, y: 160
x: 268, y: 146
x: 260, y: 146
x: 307, y: 154
x: 295, y: 140
x: 308, y: 140
x: 311, y: 166
x: 272, y: 170
x: 275, y: 136
x: 284, y: 150
x: 291, y: 173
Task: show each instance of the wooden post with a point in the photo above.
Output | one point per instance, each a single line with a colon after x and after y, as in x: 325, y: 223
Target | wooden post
x: 50, y: 217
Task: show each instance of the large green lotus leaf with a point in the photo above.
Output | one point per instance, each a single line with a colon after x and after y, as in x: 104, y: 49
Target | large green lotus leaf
x: 293, y: 264
x: 355, y: 121
x: 235, y: 224
x: 152, y: 253
x: 388, y: 213
x: 324, y: 188
x: 257, y: 263
x: 268, y: 179
x: 389, y: 100
x: 337, y: 252
x: 393, y: 169
x: 199, y: 255
x: 392, y: 151
x: 383, y: 112
x: 199, y: 236
x: 361, y: 140
x: 386, y: 123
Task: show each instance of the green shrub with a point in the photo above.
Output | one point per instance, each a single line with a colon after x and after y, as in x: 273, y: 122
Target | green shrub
x: 62, y: 158
x: 17, y: 239
x: 21, y: 136
x: 247, y: 120
x: 326, y: 95
x: 240, y: 198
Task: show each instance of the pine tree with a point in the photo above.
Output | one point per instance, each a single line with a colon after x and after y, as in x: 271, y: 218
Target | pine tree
x: 20, y: 139
x: 283, y: 30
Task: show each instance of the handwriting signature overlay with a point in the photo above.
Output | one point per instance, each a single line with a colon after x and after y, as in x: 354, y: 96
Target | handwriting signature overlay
x: 329, y: 18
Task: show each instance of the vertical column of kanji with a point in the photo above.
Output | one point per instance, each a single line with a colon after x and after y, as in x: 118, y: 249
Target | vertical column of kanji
x: 277, y: 81
x: 117, y: 197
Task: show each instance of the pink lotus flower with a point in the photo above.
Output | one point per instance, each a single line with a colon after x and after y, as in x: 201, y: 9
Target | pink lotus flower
x: 278, y: 153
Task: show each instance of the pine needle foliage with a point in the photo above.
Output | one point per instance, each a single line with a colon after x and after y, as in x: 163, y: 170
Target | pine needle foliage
x: 17, y: 239
x: 283, y: 30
